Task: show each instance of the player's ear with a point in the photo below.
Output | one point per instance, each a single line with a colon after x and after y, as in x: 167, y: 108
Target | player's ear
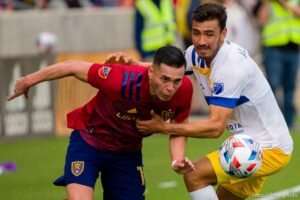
x: 150, y: 71
x: 223, y: 34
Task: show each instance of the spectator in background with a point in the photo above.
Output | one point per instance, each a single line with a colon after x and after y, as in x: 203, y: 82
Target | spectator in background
x: 73, y: 3
x: 154, y: 26
x: 280, y: 21
x: 23, y: 4
x: 46, y: 42
x: 112, y: 3
x: 184, y: 11
x: 241, y: 26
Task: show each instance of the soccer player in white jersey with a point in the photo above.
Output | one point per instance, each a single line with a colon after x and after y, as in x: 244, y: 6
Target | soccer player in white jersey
x: 240, y: 100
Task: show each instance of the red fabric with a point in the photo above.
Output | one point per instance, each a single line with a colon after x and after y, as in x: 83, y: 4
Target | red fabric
x: 107, y: 122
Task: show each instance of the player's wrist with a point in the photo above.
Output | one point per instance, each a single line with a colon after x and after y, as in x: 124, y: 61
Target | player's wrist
x: 173, y: 163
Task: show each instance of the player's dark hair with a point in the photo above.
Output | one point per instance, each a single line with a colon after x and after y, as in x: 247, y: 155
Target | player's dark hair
x: 169, y: 55
x: 211, y: 11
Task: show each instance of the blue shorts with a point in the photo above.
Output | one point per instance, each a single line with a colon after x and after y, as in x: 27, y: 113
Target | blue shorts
x: 122, y: 174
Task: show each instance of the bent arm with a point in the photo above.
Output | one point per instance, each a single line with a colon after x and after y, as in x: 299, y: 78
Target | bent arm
x: 212, y: 127
x: 177, y: 145
x: 78, y: 69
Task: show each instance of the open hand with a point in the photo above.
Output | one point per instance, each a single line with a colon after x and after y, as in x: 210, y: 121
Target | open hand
x: 183, y: 166
x: 119, y: 58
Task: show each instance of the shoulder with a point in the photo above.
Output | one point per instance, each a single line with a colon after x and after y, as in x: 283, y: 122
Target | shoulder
x: 186, y: 87
x: 189, y: 52
x: 189, y: 49
x: 191, y: 57
x: 115, y: 73
x: 232, y: 56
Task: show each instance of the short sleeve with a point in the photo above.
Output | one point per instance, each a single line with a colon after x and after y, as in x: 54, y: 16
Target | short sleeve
x: 227, y: 86
x: 100, y: 74
x: 93, y: 75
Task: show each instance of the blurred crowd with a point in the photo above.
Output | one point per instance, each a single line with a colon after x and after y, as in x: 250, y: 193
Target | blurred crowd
x: 48, y: 4
x: 268, y: 29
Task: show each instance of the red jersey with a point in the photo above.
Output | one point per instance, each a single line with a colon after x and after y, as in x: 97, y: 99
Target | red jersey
x: 107, y: 122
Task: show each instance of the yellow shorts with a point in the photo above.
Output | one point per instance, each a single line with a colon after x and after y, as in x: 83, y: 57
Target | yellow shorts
x: 273, y: 161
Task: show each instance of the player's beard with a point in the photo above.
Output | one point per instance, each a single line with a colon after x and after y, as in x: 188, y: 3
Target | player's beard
x: 210, y: 52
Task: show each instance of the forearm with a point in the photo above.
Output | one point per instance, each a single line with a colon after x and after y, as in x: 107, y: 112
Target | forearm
x: 177, y: 146
x: 57, y: 71
x: 206, y: 128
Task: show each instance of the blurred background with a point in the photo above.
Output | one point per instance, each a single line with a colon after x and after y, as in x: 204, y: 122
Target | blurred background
x: 33, y: 133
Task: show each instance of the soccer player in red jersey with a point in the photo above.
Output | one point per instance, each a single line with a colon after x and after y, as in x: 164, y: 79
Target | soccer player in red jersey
x: 105, y: 138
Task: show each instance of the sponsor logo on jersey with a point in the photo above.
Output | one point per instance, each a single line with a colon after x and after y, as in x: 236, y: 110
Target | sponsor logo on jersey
x: 77, y: 167
x: 235, y: 128
x: 167, y: 114
x: 218, y: 88
x: 104, y: 71
x: 132, y: 111
x: 129, y: 116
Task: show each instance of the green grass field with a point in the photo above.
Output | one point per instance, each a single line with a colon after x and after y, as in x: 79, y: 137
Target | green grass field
x: 41, y: 160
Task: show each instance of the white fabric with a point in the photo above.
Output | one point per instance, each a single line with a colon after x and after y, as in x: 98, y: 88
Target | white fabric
x: 236, y: 81
x: 206, y: 193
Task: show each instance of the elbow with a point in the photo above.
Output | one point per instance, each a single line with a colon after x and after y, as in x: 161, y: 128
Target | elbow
x: 70, y: 63
x: 70, y: 67
x: 218, y: 131
x: 217, y: 134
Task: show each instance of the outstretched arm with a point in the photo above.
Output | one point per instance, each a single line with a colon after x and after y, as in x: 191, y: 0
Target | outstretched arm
x: 212, y: 127
x: 78, y: 69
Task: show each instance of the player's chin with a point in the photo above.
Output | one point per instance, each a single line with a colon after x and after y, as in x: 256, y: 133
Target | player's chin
x: 165, y: 97
x: 147, y: 134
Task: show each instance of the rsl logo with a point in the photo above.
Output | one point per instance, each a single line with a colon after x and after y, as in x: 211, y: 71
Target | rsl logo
x: 77, y: 167
x: 167, y: 114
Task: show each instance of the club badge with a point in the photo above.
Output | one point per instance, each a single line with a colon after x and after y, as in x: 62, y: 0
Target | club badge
x: 166, y: 115
x: 77, y: 167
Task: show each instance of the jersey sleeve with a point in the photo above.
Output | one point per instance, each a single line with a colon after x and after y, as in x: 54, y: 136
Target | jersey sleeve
x: 101, y: 76
x: 185, y: 98
x: 227, y: 86
x: 93, y: 77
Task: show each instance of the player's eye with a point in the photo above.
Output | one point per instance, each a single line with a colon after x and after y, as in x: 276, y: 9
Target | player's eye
x: 165, y: 79
x: 177, y: 81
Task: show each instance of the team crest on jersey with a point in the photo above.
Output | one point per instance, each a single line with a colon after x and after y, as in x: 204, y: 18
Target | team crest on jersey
x: 77, y: 167
x: 167, y: 114
x: 218, y: 88
x: 104, y: 71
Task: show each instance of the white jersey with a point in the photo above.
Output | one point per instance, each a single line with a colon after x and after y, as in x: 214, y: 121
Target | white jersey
x: 235, y: 81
